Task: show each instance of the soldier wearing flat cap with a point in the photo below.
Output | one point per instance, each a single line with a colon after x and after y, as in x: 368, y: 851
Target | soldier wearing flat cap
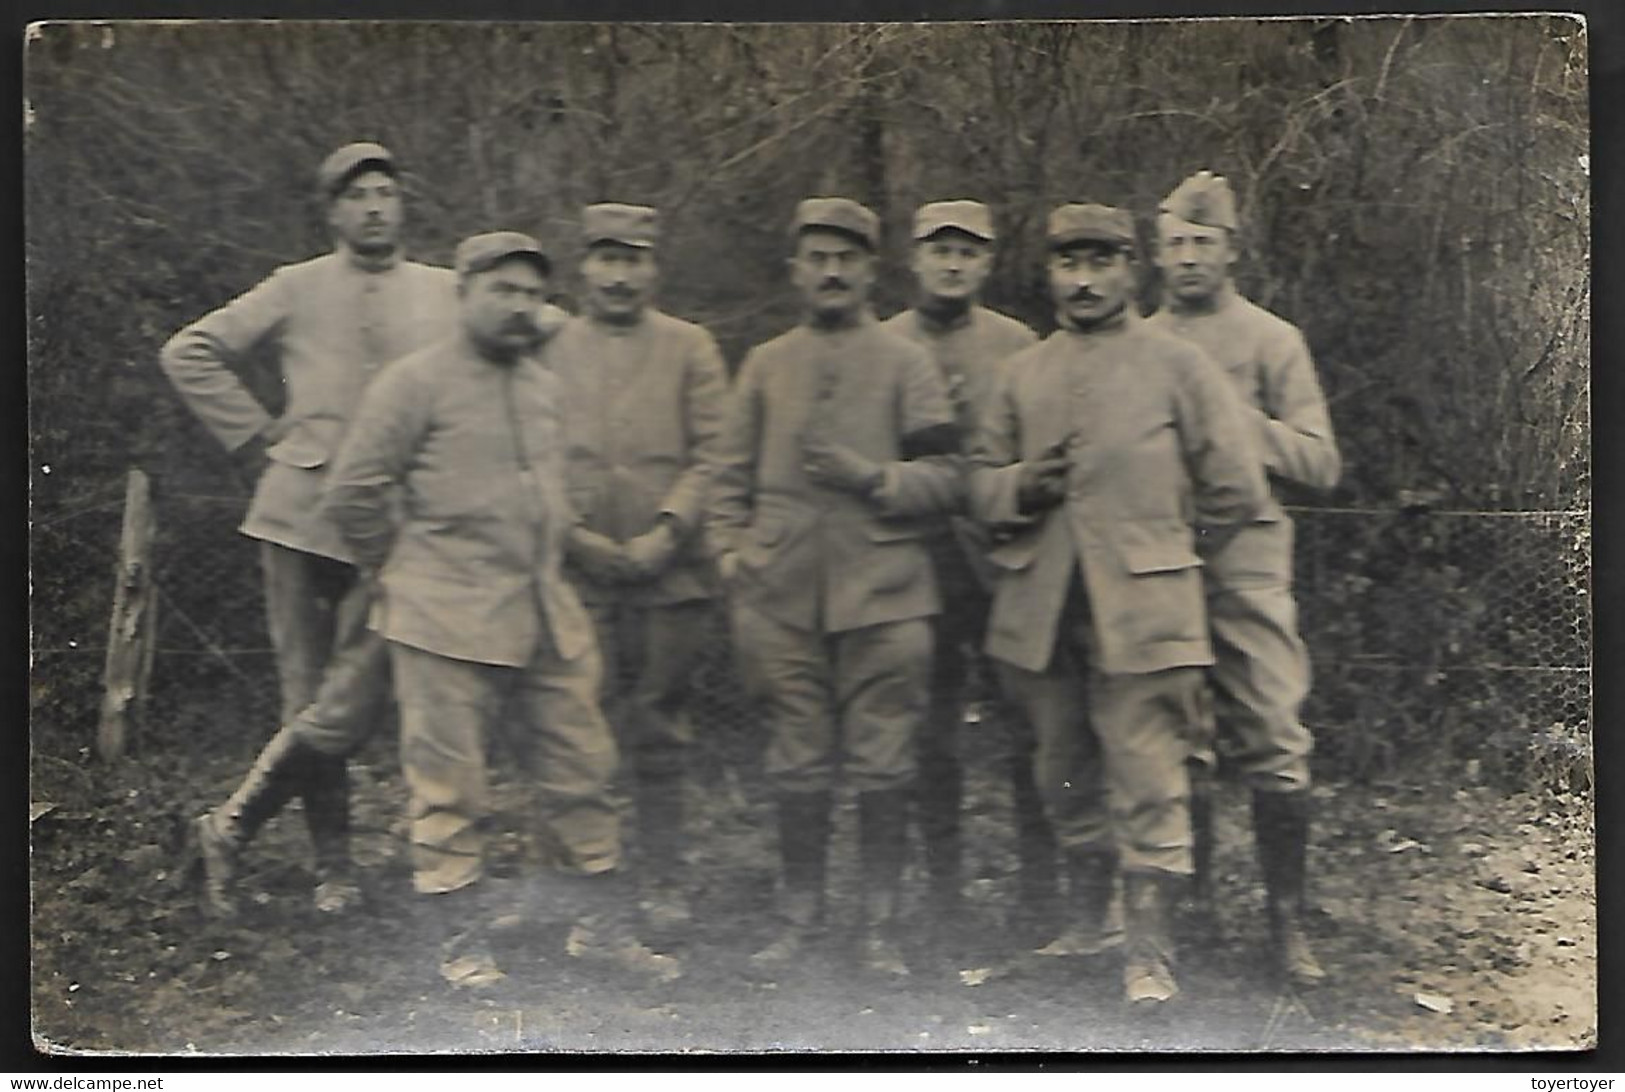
x: 952, y: 258
x: 1110, y: 453
x: 645, y: 394
x: 1261, y: 675
x: 474, y: 603
x: 334, y: 322
x: 839, y: 443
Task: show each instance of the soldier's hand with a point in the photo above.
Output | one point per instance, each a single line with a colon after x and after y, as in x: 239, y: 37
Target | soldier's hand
x: 651, y: 552
x: 599, y: 556
x: 1042, y: 483
x: 728, y: 568
x: 837, y: 466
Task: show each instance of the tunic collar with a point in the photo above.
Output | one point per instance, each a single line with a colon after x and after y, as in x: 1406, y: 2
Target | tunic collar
x: 1219, y: 301
x: 370, y: 263
x: 943, y: 320
x: 1124, y: 320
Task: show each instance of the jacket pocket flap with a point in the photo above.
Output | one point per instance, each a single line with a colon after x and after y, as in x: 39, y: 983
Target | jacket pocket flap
x: 1151, y: 556
x: 892, y: 532
x: 303, y: 447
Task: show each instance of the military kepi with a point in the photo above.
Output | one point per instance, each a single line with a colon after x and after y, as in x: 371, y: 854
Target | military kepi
x: 629, y: 225
x: 478, y: 253
x: 337, y: 169
x: 838, y: 214
x: 1203, y: 198
x: 1072, y: 224
x: 971, y: 217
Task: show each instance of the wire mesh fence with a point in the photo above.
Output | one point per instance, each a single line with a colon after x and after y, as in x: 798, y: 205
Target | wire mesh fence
x: 1437, y: 636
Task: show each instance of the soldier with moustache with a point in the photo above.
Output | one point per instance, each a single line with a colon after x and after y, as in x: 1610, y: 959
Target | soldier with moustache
x: 839, y: 445
x: 474, y: 604
x: 1112, y: 457
x: 644, y: 395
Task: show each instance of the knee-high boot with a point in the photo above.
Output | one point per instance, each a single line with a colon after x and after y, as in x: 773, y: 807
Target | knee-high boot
x: 279, y: 771
x: 804, y: 826
x: 1281, y: 830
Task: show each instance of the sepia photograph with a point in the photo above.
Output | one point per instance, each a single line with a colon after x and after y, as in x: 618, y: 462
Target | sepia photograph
x: 935, y: 538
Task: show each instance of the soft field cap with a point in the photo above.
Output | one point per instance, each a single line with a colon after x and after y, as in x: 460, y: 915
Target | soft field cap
x: 478, y: 253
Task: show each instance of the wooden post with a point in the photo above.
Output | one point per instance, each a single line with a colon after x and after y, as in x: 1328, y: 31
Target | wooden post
x: 132, y: 630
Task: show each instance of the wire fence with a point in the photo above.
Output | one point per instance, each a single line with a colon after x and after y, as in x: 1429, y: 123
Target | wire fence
x: 1437, y: 636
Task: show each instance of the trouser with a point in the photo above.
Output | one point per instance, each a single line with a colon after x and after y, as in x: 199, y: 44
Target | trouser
x: 448, y: 707
x: 851, y: 701
x: 649, y: 656
x: 1260, y: 678
x: 1112, y: 749
x: 334, y: 675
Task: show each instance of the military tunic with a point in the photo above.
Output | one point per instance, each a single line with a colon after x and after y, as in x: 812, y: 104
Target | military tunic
x: 644, y: 402
x: 1261, y: 672
x: 474, y: 602
x: 833, y: 591
x: 1098, y: 607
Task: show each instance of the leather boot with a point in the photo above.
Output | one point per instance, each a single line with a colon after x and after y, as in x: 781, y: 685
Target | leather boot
x: 804, y: 827
x: 326, y: 793
x: 660, y: 836
x: 1091, y: 883
x: 1204, y: 906
x: 1148, y: 966
x: 882, y: 844
x: 1281, y: 830
x: 219, y: 835
x: 1038, y: 895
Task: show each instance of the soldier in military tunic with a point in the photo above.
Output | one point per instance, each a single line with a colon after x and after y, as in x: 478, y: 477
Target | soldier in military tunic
x: 1261, y: 674
x: 643, y: 396
x: 839, y: 441
x: 1109, y: 456
x: 334, y: 321
x: 952, y: 259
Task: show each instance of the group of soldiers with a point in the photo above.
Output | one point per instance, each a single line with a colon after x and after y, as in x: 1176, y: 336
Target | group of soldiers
x: 509, y: 518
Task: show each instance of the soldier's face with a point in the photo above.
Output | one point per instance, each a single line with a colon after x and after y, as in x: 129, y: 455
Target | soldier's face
x: 619, y: 279
x: 1194, y: 259
x: 500, y: 307
x: 366, y: 214
x: 1091, y: 281
x: 833, y: 271
x: 952, y: 265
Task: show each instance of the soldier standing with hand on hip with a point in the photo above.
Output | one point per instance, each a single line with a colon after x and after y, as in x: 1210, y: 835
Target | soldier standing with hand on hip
x: 644, y: 394
x: 335, y: 321
x: 952, y: 260
x: 840, y: 437
x: 1109, y: 453
x: 1261, y: 673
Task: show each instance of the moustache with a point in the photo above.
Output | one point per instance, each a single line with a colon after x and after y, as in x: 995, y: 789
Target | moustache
x: 1083, y: 295
x: 833, y: 282
x: 520, y: 326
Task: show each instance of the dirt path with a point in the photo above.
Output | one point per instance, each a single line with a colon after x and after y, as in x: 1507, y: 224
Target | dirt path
x: 1456, y: 918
